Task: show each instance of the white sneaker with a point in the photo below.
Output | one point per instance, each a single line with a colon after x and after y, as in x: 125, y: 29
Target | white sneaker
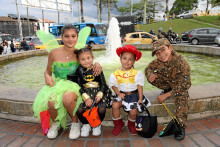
x: 74, y: 131
x: 53, y: 131
x: 85, y: 130
x: 96, y: 131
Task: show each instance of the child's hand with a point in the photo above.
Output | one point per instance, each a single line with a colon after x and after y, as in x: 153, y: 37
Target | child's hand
x: 152, y: 78
x: 140, y: 101
x: 97, y: 69
x: 88, y: 102
x: 98, y: 98
x: 161, y: 98
x: 49, y: 80
x: 121, y: 95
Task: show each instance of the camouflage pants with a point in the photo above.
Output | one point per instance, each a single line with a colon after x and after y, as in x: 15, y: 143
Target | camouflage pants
x: 181, y: 101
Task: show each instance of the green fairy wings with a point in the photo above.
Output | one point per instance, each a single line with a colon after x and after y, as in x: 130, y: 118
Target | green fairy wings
x: 50, y: 42
x: 82, y: 37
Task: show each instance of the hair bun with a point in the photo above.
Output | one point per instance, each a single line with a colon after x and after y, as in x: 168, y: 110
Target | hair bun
x: 76, y: 51
x: 89, y: 47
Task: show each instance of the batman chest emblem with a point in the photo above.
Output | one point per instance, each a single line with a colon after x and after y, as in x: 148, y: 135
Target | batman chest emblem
x: 89, y: 78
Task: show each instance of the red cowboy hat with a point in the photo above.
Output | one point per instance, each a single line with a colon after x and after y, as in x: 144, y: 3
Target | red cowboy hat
x: 129, y: 48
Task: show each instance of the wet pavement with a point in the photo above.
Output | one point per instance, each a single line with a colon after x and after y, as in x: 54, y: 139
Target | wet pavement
x: 204, y: 133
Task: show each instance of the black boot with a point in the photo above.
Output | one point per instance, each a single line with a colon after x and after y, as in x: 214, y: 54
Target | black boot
x: 180, y: 134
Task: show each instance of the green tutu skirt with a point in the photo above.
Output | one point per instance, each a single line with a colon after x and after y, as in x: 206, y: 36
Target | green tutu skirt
x: 55, y: 94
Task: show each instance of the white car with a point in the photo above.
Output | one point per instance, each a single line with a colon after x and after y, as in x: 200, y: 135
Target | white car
x: 186, y: 14
x: 217, y: 39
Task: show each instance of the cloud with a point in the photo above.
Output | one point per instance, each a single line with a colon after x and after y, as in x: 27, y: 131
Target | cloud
x: 90, y: 11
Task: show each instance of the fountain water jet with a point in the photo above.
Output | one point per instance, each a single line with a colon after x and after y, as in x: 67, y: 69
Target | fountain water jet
x: 113, y: 41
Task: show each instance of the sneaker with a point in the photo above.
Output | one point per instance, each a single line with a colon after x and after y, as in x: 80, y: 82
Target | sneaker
x: 96, y: 131
x: 53, y: 131
x: 74, y: 131
x: 85, y: 130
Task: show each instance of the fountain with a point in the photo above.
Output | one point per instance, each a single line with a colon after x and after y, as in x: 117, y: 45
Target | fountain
x: 113, y: 41
x: 20, y: 80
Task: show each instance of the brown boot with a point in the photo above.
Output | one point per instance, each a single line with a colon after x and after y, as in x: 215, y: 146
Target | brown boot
x: 131, y: 126
x: 118, y: 126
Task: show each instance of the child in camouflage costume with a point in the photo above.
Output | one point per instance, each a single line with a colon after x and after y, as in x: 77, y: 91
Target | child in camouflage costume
x: 171, y: 72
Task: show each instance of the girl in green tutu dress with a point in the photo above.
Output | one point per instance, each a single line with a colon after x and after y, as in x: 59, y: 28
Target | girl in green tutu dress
x: 60, y: 96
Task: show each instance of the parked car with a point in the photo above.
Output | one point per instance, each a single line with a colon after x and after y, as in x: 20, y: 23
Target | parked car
x: 36, y: 42
x: 139, y: 38
x: 203, y: 35
x: 217, y: 39
x: 185, y: 35
x: 186, y: 14
x: 6, y: 37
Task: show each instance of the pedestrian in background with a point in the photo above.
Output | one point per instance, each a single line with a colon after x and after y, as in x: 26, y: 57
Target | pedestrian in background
x: 7, y: 49
x: 12, y: 46
x: 24, y: 45
x: 1, y: 48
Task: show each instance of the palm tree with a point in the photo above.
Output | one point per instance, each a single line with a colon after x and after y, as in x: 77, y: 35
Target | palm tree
x: 98, y: 16
x: 145, y: 9
x: 109, y: 11
x: 78, y: 9
x: 105, y: 3
x: 82, y: 17
x: 167, y: 10
x: 100, y: 8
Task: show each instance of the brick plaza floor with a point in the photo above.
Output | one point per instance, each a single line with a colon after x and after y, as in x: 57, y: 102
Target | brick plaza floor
x: 204, y: 133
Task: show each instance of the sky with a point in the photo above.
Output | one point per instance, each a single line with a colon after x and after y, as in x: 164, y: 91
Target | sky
x: 90, y: 13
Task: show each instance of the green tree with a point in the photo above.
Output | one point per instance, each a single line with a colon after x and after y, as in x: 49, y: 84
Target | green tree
x: 215, y: 3
x: 152, y: 8
x: 212, y: 2
x: 179, y: 6
x: 110, y: 4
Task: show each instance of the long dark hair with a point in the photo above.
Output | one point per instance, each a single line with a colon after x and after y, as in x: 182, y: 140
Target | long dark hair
x: 68, y: 27
x: 82, y: 50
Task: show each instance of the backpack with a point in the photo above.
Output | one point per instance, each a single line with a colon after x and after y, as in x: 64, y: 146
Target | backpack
x: 12, y: 45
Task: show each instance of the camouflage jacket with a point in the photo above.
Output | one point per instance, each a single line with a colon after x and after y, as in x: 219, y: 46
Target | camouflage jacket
x: 174, y: 74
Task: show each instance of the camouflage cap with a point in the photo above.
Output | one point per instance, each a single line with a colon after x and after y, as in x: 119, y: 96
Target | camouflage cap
x: 159, y: 44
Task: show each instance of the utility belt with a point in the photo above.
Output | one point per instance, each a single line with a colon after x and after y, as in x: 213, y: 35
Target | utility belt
x: 91, y: 85
x: 130, y: 92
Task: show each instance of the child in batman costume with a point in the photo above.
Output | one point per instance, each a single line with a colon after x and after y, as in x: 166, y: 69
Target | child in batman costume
x: 93, y: 88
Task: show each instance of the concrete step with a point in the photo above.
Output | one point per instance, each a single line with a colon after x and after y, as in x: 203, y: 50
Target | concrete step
x: 16, y: 104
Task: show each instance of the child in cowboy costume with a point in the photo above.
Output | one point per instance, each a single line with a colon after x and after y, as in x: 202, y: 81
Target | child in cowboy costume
x: 127, y: 83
